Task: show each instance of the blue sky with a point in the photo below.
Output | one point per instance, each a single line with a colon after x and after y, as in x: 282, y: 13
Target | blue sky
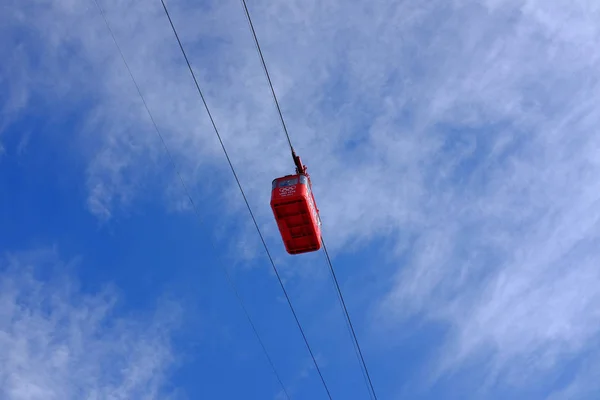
x: 454, y: 150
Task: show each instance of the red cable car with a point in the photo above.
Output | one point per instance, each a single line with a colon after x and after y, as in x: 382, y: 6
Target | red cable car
x: 295, y: 211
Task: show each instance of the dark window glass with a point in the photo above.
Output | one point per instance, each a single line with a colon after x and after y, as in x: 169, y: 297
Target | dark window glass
x: 288, y: 182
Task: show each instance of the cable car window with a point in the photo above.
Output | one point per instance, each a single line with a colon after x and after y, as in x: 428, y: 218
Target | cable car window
x: 303, y: 180
x: 274, y: 184
x: 288, y: 182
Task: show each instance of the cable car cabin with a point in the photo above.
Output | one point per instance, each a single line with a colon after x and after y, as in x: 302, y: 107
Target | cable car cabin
x: 296, y: 213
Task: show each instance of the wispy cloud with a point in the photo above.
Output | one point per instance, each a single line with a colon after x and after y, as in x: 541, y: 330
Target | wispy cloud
x: 510, y: 257
x: 466, y: 131
x: 57, y: 342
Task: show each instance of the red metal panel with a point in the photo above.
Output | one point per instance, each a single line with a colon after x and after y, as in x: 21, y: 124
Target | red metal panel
x: 296, y: 214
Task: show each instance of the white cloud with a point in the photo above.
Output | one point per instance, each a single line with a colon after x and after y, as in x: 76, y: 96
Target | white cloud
x: 57, y: 342
x: 468, y: 128
x: 510, y: 258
